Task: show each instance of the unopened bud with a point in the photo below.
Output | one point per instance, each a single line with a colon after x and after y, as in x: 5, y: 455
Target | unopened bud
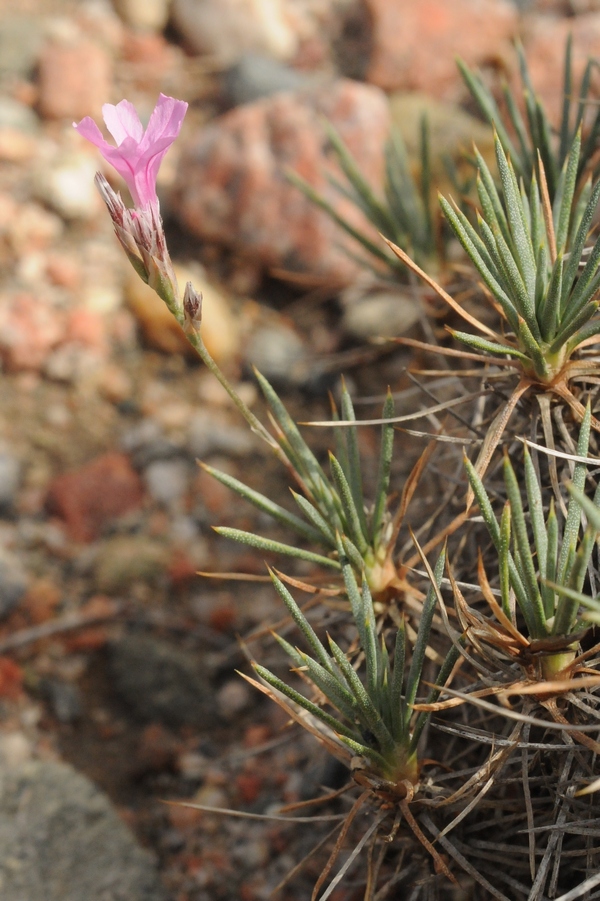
x: 192, y: 307
x: 141, y: 234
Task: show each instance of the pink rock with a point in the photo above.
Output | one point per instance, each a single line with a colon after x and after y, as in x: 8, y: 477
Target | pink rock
x: 29, y: 329
x: 415, y: 42
x: 545, y: 38
x: 87, y: 328
x: 232, y: 187
x: 75, y: 78
x: 89, y: 498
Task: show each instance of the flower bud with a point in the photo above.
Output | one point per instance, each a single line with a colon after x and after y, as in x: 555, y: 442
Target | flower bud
x: 192, y: 308
x: 141, y: 235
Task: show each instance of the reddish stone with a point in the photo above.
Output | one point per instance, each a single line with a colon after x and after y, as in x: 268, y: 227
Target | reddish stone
x: 254, y: 736
x: 11, y: 679
x: 217, y: 498
x: 88, y: 499
x: 86, y: 327
x: 75, y: 78
x: 183, y: 818
x: 150, y: 58
x: 545, y: 39
x: 249, y: 786
x: 99, y: 606
x: 41, y: 600
x: 29, y: 329
x: 415, y: 42
x: 156, y: 751
x: 232, y: 187
x: 181, y: 568
x: 92, y: 639
x: 63, y: 270
x: 222, y: 618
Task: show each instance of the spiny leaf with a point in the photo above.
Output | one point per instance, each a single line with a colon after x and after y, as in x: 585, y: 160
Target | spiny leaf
x: 370, y: 714
x: 487, y: 105
x: 548, y: 313
x: 351, y: 516
x: 322, y: 527
x: 563, y: 202
x: 305, y: 627
x: 385, y: 465
x: 572, y: 524
x: 489, y: 346
x: 516, y: 218
x: 423, y: 635
x: 354, y: 474
x: 551, y: 561
x: 534, y: 611
x: 577, y: 245
x: 503, y: 559
x: 299, y: 699
x: 563, y: 337
x: 470, y: 247
x: 267, y: 544
x: 265, y: 504
x: 444, y: 674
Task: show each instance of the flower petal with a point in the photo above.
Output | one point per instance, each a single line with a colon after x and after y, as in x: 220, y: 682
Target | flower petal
x: 165, y: 121
x: 88, y: 129
x: 123, y: 121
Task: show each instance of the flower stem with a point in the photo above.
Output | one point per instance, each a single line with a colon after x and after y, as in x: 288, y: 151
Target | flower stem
x: 195, y: 339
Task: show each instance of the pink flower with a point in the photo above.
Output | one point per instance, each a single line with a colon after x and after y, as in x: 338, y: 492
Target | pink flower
x: 138, y: 154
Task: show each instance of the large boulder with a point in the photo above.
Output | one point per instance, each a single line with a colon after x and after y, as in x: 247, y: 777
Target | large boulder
x: 232, y: 187
x: 62, y: 840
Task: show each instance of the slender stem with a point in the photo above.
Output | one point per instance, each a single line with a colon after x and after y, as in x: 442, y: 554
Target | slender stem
x: 255, y: 424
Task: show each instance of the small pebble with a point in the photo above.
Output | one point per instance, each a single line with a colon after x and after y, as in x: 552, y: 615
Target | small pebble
x: 15, y: 748
x: 251, y: 853
x: 68, y: 187
x: 233, y: 698
x: 126, y: 559
x: 18, y: 116
x: 13, y: 582
x: 255, y: 76
x: 20, y: 42
x: 10, y: 476
x: 144, y: 15
x: 212, y: 434
x: 380, y: 313
x: 278, y: 353
x: 167, y: 480
x: 193, y: 765
x: 64, y: 698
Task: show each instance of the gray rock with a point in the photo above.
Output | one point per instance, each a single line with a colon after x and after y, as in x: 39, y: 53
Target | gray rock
x: 13, y: 582
x: 144, y: 432
x: 146, y: 442
x: 226, y: 29
x: 126, y: 559
x: 279, y: 354
x: 381, y: 312
x: 17, y: 116
x: 20, y: 42
x: 233, y: 698
x: 144, y: 15
x: 66, y: 184
x: 64, y: 699
x: 256, y: 76
x: 210, y: 434
x: 452, y: 130
x: 61, y: 840
x: 10, y: 476
x: 167, y: 480
x: 160, y: 682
